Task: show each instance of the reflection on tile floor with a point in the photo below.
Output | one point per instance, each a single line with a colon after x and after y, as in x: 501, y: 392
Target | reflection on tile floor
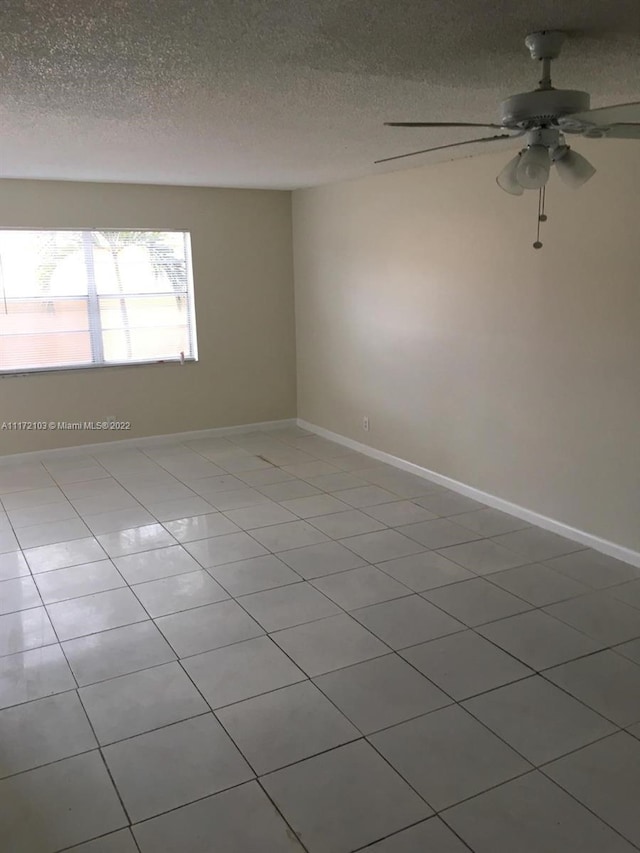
x: 268, y: 643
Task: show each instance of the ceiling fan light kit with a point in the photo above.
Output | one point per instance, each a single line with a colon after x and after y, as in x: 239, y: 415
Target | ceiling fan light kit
x: 507, y: 179
x: 544, y: 116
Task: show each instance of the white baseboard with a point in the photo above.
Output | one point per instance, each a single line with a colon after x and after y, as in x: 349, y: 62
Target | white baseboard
x: 124, y: 443
x: 612, y: 549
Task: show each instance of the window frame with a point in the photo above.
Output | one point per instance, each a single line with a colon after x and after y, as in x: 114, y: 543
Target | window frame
x: 92, y: 299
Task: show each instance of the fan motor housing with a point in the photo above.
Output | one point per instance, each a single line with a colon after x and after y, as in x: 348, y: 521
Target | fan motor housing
x: 542, y: 106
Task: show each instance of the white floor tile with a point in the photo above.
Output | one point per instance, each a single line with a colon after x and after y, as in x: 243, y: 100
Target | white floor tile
x: 18, y: 594
x: 261, y: 515
x: 429, y: 835
x: 465, y: 664
x: 476, y: 601
x: 556, y: 823
x: 293, y: 534
x: 13, y: 565
x: 329, y: 644
x: 538, y: 584
x: 43, y: 731
x: 406, y: 621
x: 366, y: 496
x: 538, y: 640
x: 537, y: 719
x: 606, y: 682
x: 152, y: 565
x: 53, y: 807
x: 119, y: 651
x: 424, y: 571
x: 52, y: 532
x: 360, y: 587
x: 180, y: 592
x: 76, y: 581
x: 220, y: 823
x: 225, y: 549
x: 254, y: 575
x: 314, y: 561
x: 399, y: 512
x: 132, y: 704
x: 601, y: 616
x: 172, y: 766
x: 179, y: 509
x: 33, y: 674
x: 535, y: 544
x: 201, y: 526
x: 482, y: 557
x: 289, y: 605
x: 236, y: 546
x: 381, y: 692
x: 119, y: 519
x: 285, y: 726
x: 464, y: 758
x: 237, y: 672
x: 206, y: 628
x: 339, y: 525
x: 344, y: 799
x: 605, y: 777
x: 439, y: 533
x: 92, y: 613
x: 316, y: 505
x: 134, y: 540
x: 25, y: 629
x: 116, y: 842
x: 49, y: 557
x: 594, y: 569
x: 382, y: 545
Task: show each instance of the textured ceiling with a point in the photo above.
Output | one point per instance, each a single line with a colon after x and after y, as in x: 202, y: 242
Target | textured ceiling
x: 278, y: 93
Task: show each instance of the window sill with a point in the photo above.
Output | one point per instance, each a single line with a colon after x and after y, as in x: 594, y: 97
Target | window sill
x: 15, y: 374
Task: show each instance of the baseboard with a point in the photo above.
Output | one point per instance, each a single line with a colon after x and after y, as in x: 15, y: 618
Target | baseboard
x: 125, y: 443
x: 612, y: 549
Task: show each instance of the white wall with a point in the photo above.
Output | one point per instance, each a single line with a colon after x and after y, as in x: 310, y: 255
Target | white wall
x: 421, y: 304
x: 241, y: 247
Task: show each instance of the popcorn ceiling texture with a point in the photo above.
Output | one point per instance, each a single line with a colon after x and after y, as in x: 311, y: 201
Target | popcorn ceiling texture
x: 277, y: 93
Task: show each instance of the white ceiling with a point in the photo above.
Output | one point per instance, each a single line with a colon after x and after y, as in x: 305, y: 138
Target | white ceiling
x: 278, y: 93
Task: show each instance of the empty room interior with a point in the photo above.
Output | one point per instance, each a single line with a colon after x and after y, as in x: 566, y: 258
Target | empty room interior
x: 319, y: 426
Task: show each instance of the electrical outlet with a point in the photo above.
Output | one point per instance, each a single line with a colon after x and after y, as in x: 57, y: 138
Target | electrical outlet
x: 365, y: 423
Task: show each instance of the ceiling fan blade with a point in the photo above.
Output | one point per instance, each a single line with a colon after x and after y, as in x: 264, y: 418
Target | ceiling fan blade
x: 441, y: 124
x: 623, y: 131
x: 452, y: 145
x: 605, y: 116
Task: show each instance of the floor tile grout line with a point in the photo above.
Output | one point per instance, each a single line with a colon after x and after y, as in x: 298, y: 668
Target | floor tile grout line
x: 588, y: 808
x: 286, y: 822
x: 100, y: 837
x: 499, y: 647
x: 435, y: 816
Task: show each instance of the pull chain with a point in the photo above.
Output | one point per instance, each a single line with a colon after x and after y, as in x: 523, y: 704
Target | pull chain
x: 542, y: 216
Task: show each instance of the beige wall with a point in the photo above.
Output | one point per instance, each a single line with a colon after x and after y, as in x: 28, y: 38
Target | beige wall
x: 241, y: 247
x: 421, y: 303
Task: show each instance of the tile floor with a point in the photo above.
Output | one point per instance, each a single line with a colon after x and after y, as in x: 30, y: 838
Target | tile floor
x: 266, y: 643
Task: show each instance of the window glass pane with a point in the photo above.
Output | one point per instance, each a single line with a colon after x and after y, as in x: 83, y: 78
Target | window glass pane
x: 153, y: 311
x: 145, y: 344
x: 29, y: 316
x: 47, y: 350
x: 120, y: 297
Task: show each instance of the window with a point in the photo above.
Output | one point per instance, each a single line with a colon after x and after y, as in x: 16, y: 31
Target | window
x: 94, y: 298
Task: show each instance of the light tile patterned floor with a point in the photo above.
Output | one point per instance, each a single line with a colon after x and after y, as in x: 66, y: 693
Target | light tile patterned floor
x: 266, y: 643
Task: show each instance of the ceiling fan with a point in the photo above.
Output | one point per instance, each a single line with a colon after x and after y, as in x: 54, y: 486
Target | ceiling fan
x: 543, y: 117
